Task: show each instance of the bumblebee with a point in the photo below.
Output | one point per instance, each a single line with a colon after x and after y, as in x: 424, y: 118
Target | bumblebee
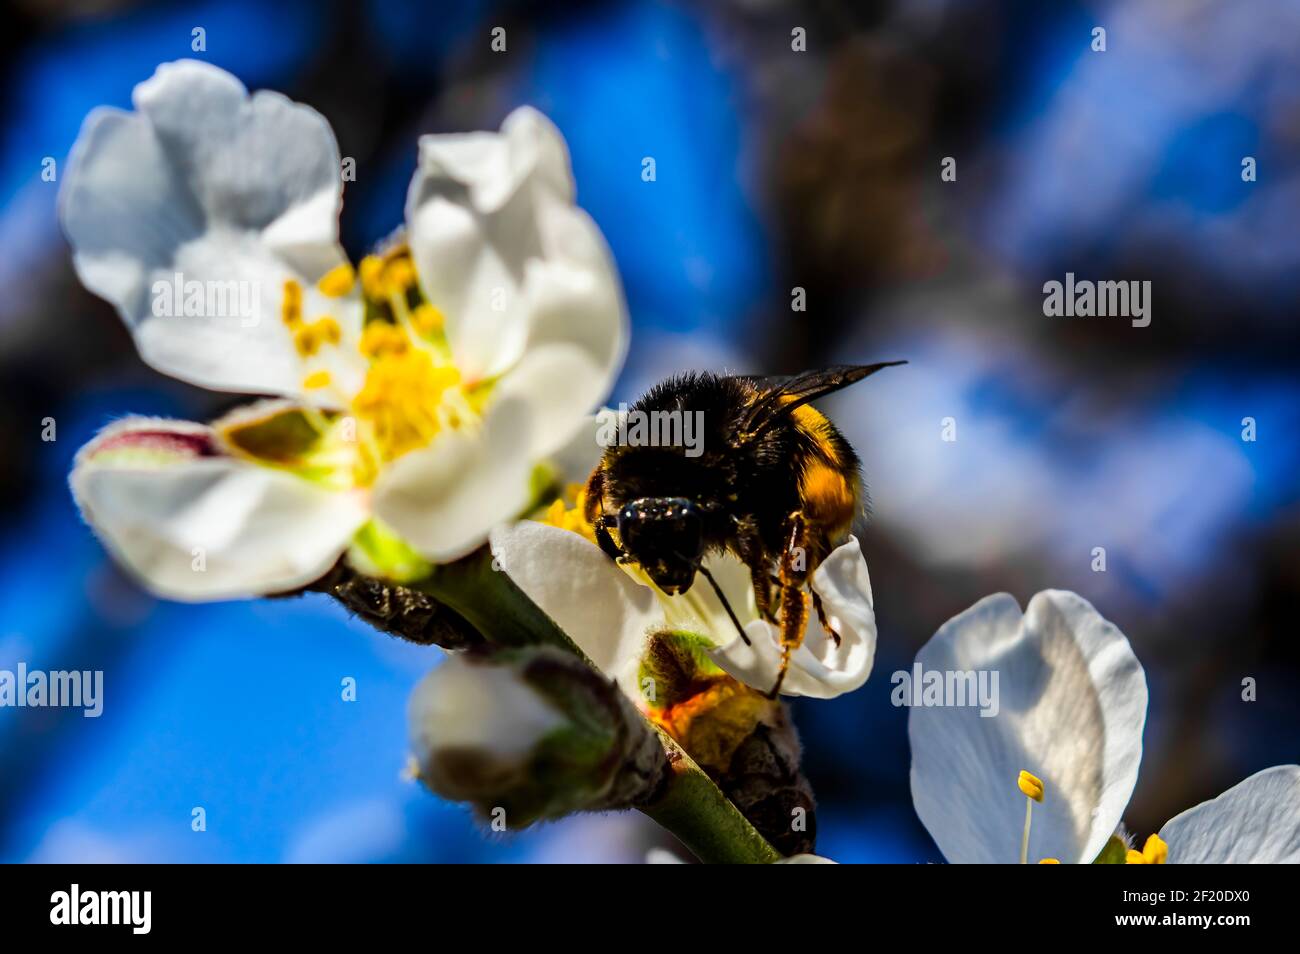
x: 771, y: 480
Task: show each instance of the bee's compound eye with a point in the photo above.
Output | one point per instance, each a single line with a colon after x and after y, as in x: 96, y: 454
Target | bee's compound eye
x: 671, y: 526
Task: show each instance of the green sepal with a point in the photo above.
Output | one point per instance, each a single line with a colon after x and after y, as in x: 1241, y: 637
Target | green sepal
x: 1114, y: 853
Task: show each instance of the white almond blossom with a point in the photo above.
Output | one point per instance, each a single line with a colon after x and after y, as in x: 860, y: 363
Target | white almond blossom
x: 610, y: 611
x: 1048, y: 777
x: 417, y: 394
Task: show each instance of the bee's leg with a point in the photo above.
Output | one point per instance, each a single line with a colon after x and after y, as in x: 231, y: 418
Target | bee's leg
x: 762, y: 582
x: 752, y: 553
x: 593, y: 504
x: 821, y: 617
x: 794, y: 598
x: 601, y: 527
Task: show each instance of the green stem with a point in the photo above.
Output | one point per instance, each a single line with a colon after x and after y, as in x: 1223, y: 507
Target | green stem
x: 491, y: 601
x: 691, y: 806
x: 703, y: 819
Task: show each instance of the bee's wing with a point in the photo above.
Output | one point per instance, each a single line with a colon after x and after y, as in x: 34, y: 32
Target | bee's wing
x: 778, y: 396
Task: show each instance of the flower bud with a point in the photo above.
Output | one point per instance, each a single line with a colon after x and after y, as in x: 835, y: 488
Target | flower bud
x: 531, y: 734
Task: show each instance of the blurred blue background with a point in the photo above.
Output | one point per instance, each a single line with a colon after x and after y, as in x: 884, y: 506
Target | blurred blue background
x: 776, y: 169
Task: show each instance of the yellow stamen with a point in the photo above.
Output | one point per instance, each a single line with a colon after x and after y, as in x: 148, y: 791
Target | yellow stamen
x: 427, y: 320
x: 571, y: 518
x: 372, y: 277
x: 1031, y: 785
x: 400, y: 399
x: 379, y: 338
x: 399, y: 274
x: 1154, y: 852
x: 338, y: 281
x: 1049, y: 861
x: 315, y: 380
x: 291, y: 307
x: 309, y: 338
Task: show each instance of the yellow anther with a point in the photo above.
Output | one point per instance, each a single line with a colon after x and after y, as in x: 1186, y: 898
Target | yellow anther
x: 1048, y: 861
x: 316, y: 380
x: 555, y: 514
x: 427, y: 320
x: 379, y: 337
x: 291, y: 307
x: 1031, y: 785
x: 372, y: 276
x: 399, y: 274
x: 1154, y: 852
x: 572, y: 518
x: 338, y: 281
x: 309, y: 338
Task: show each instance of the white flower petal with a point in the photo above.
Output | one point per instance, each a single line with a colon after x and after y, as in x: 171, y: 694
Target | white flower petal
x: 819, y: 667
x: 1072, y: 702
x: 193, y: 524
x: 604, y: 611
x: 575, y: 461
x: 444, y: 498
x: 557, y: 382
x: 1257, y: 821
x: 515, y: 267
x: 209, y: 184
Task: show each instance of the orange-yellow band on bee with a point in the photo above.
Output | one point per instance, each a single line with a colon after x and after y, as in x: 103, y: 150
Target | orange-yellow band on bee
x: 1049, y: 861
x: 1031, y: 785
x: 338, y: 281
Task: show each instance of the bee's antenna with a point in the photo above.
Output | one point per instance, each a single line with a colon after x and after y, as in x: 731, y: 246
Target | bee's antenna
x: 725, y: 605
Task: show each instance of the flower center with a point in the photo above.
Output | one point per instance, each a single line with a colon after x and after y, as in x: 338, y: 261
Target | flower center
x: 411, y: 390
x: 402, y: 399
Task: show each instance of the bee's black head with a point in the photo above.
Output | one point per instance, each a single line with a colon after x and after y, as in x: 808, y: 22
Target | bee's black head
x: 665, y: 535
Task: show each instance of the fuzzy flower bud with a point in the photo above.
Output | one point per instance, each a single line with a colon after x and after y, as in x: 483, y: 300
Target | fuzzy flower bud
x: 531, y: 734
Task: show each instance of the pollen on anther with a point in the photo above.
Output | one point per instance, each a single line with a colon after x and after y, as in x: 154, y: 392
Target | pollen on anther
x: 316, y: 380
